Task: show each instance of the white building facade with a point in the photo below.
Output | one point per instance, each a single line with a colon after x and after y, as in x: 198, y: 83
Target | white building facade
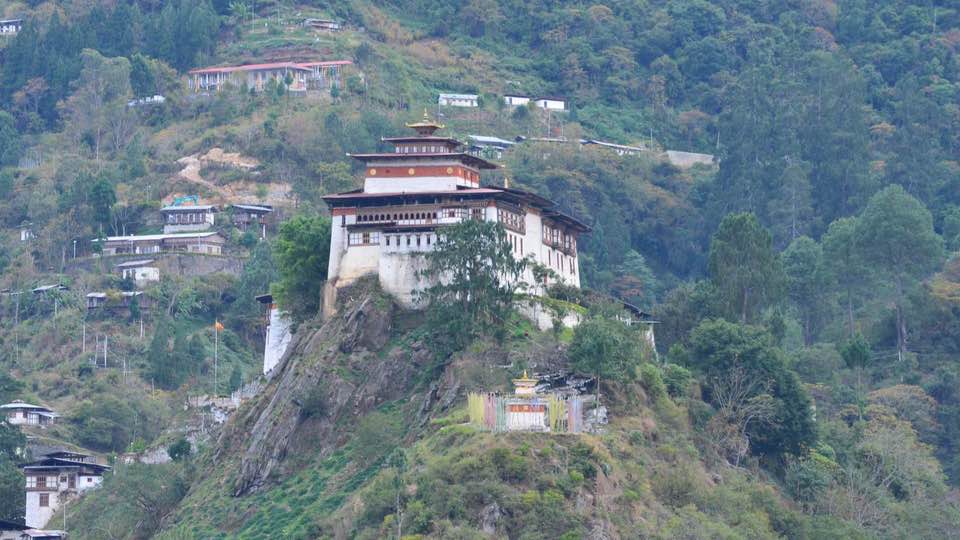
x: 458, y: 100
x: 278, y: 334
x: 139, y: 271
x: 54, y: 480
x: 411, y: 194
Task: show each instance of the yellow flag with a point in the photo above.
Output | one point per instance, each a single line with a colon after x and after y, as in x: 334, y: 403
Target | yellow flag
x: 218, y: 326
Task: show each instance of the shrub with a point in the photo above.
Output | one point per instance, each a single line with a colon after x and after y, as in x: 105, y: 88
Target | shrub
x: 652, y: 380
x: 677, y: 379
x: 179, y: 450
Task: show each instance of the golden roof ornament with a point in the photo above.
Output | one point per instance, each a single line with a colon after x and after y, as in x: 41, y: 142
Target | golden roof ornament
x: 427, y: 126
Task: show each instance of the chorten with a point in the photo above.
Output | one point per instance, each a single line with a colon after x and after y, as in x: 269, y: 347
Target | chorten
x: 525, y: 386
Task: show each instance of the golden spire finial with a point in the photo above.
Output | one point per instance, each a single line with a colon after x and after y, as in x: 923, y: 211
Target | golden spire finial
x: 525, y: 374
x: 506, y: 182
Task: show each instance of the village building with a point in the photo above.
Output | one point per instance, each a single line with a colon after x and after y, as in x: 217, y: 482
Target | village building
x: 10, y: 27
x: 620, y: 149
x: 26, y: 232
x: 208, y: 243
x: 187, y: 218
x: 488, y: 147
x: 141, y: 272
x: 44, y: 289
x: 303, y: 76
x: 11, y: 530
x: 515, y: 100
x: 551, y: 103
x: 115, y: 300
x: 55, y: 479
x: 253, y: 217
x: 323, y: 24
x: 24, y: 414
x: 278, y: 334
x: 150, y: 100
x: 458, y: 100
x: 410, y: 194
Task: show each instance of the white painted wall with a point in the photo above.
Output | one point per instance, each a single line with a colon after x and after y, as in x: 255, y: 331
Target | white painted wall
x: 37, y: 516
x: 551, y: 104
x: 142, y: 274
x: 277, y: 340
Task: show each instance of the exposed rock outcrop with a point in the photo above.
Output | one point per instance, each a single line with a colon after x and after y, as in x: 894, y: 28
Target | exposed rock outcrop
x: 328, y: 373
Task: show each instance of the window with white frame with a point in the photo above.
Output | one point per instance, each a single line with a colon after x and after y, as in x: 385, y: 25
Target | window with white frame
x: 366, y: 238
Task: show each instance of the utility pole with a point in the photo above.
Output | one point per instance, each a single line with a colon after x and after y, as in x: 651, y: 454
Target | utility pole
x: 83, y: 340
x: 105, y: 341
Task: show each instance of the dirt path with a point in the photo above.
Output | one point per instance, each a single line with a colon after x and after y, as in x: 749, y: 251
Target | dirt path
x: 278, y: 193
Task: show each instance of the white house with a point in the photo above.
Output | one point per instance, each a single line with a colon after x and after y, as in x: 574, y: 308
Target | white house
x: 55, y: 479
x: 20, y: 413
x: 278, y: 334
x: 410, y: 194
x: 139, y: 271
x: 41, y: 534
x: 492, y: 147
x: 10, y: 27
x: 620, y: 149
x: 187, y: 218
x: 458, y: 100
x: 551, y: 103
x: 515, y: 101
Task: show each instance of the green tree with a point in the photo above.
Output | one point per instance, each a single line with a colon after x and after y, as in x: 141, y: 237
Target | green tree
x: 719, y: 349
x: 849, y: 272
x: 12, y: 442
x: 604, y: 346
x: 161, y: 369
x: 258, y: 273
x: 236, y: 379
x: 896, y: 235
x: 179, y: 450
x: 807, y: 284
x: 743, y: 266
x: 856, y: 354
x: 10, y: 388
x: 470, y: 279
x: 10, y: 145
x: 102, y: 198
x: 302, y: 251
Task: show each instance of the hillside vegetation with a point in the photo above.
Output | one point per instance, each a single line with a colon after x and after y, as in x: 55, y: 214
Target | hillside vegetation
x: 805, y: 284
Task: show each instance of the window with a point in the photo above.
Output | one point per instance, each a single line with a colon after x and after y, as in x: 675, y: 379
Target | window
x: 44, y: 500
x: 41, y: 481
x: 364, y: 238
x: 388, y: 240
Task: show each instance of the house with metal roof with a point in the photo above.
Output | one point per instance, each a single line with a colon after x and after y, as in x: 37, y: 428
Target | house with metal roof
x: 21, y: 413
x: 187, y: 217
x: 56, y: 479
x: 140, y: 271
x: 458, y: 100
x: 302, y: 76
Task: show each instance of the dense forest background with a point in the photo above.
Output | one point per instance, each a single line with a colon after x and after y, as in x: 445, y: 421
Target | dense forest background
x: 819, y: 248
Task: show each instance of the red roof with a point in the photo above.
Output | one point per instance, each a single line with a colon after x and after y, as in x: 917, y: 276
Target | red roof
x: 305, y: 66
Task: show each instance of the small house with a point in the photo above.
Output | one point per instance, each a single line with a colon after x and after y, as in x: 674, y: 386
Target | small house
x: 44, y: 289
x: 150, y: 100
x: 515, y: 100
x: 686, y: 160
x: 551, y: 103
x: 254, y: 217
x: 488, y: 147
x: 139, y: 271
x: 207, y: 243
x: 620, y: 149
x: 54, y: 480
x: 187, y: 218
x: 458, y: 100
x: 20, y: 413
x: 11, y: 530
x: 322, y: 24
x: 114, y: 300
x: 10, y: 27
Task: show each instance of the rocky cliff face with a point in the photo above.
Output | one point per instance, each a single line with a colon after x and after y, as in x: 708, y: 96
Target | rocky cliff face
x: 330, y: 373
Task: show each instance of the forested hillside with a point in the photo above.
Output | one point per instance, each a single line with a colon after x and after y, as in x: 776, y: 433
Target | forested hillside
x: 804, y: 284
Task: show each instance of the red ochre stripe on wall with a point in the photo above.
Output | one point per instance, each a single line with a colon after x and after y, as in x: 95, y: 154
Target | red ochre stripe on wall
x: 343, y: 211
x: 407, y: 172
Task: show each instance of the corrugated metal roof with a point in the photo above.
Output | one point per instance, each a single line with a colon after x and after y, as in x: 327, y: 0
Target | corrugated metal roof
x: 134, y: 264
x: 152, y: 237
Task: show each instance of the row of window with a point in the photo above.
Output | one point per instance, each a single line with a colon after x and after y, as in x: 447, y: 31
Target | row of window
x: 187, y: 218
x: 561, y: 262
x: 411, y: 240
x: 364, y: 239
x: 414, y: 149
x: 462, y: 213
x: 512, y: 220
x: 559, y: 239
